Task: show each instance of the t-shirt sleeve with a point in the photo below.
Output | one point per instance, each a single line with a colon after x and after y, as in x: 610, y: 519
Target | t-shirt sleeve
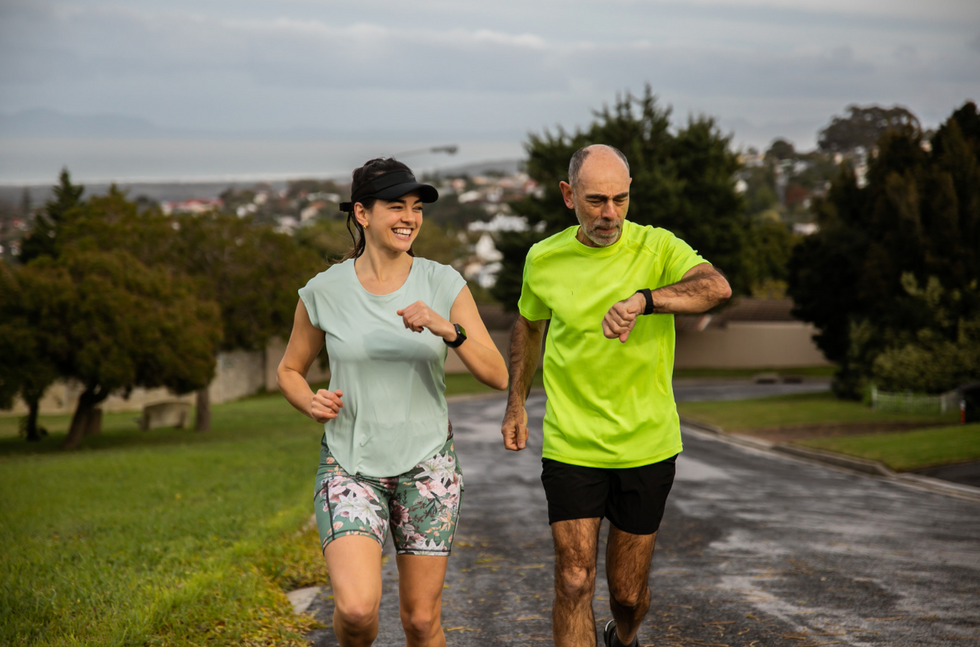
x: 530, y: 304
x: 307, y: 295
x: 449, y: 283
x: 678, y: 257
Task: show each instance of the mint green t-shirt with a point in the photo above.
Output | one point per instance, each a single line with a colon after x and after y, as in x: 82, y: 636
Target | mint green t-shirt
x: 610, y: 405
x: 394, y: 381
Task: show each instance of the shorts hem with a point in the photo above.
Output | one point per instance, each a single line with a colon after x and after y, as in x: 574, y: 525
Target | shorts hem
x: 344, y: 533
x: 600, y: 517
x: 612, y: 465
x: 638, y: 534
x: 425, y: 553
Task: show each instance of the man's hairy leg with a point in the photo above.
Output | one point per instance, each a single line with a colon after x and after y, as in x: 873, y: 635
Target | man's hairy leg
x: 576, y: 546
x: 628, y: 559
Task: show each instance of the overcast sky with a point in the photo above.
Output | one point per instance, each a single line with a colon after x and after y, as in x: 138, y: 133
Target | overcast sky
x: 485, y: 70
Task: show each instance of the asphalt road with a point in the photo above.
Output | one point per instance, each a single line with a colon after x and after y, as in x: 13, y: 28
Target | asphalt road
x: 755, y: 549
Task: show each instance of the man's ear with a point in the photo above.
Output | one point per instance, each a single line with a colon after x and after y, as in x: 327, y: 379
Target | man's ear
x: 566, y: 194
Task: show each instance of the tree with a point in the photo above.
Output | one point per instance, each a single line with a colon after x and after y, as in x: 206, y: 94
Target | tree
x: 45, y: 237
x: 247, y: 272
x: 939, y: 356
x: 113, y: 324
x: 766, y: 257
x: 780, y: 149
x: 863, y: 127
x: 915, y: 223
x: 682, y: 181
x: 251, y: 272
x: 25, y: 369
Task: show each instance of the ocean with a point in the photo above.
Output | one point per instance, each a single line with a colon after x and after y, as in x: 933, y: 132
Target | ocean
x: 38, y: 161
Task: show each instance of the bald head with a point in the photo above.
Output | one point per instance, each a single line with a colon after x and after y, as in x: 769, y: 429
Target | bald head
x: 597, y: 151
x: 599, y: 192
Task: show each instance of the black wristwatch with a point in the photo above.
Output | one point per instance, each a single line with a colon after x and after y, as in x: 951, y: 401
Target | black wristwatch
x: 460, y: 337
x: 648, y: 299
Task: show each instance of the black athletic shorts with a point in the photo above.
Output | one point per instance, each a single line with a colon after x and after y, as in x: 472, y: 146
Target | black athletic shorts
x: 633, y: 499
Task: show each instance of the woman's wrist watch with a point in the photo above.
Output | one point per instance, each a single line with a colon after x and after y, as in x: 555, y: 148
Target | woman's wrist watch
x: 460, y: 337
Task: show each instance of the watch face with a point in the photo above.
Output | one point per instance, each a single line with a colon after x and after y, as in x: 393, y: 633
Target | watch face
x: 460, y: 337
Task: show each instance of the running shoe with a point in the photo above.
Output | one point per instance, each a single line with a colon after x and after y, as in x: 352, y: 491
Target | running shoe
x: 610, y: 638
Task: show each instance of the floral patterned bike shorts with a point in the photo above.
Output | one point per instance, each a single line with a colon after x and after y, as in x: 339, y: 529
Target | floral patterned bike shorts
x: 421, y: 506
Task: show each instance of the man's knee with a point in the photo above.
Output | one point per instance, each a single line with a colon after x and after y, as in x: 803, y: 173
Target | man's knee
x: 629, y: 595
x: 575, y: 580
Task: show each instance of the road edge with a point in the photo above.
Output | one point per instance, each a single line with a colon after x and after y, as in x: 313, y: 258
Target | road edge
x: 860, y: 465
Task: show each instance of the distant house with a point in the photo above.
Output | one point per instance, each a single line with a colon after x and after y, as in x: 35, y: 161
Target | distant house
x: 312, y: 210
x: 194, y: 205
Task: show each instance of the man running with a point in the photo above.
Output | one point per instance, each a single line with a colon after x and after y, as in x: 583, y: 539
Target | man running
x: 609, y: 287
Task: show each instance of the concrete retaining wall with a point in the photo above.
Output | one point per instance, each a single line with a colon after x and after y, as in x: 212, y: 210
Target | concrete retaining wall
x: 237, y: 374
x: 749, y: 345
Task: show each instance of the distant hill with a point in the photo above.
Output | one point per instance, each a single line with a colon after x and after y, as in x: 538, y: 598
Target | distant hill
x: 505, y: 166
x: 162, y: 191
x: 41, y: 122
x: 158, y: 191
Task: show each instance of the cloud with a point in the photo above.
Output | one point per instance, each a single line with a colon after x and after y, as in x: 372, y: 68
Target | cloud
x: 437, y: 63
x: 95, y: 42
x: 372, y: 56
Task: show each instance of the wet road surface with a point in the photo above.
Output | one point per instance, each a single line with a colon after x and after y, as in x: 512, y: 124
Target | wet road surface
x: 756, y: 549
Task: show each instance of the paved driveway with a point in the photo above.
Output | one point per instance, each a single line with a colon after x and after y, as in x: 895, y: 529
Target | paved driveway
x: 755, y: 549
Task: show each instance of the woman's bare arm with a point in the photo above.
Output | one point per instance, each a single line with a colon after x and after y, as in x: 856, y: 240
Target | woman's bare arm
x: 304, y: 345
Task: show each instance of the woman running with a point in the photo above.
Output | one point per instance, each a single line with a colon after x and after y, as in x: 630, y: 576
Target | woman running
x: 387, y: 460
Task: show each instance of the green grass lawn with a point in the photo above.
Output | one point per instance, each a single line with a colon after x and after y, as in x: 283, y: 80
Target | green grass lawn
x: 748, y: 373
x: 166, y: 537
x: 909, y: 450
x: 943, y: 444
x: 798, y: 409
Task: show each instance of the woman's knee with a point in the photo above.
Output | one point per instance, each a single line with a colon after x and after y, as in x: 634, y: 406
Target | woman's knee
x: 420, y: 624
x: 357, y: 613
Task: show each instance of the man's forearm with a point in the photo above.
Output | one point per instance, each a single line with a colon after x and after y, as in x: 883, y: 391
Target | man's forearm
x: 525, y: 350
x: 691, y: 295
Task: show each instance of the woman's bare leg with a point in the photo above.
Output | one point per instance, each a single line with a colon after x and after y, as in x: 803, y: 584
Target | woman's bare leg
x: 420, y: 581
x: 354, y: 564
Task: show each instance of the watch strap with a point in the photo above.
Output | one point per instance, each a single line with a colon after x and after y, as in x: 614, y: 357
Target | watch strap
x: 648, y: 297
x: 460, y: 337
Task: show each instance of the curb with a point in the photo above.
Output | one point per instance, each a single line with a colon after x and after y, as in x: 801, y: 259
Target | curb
x: 857, y: 464
x: 860, y: 465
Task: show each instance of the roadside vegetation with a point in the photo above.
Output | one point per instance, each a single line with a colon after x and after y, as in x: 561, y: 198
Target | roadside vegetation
x: 167, y: 537
x: 909, y: 450
x: 937, y: 441
x: 749, y: 373
x: 797, y: 409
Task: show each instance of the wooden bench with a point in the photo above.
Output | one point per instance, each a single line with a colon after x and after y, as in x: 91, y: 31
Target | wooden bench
x: 165, y: 414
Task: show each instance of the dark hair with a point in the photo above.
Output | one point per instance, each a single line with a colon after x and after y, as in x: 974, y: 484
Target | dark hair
x: 370, y: 170
x: 575, y: 164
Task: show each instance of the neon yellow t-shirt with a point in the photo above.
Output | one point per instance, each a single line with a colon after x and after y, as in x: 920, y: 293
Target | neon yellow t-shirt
x: 610, y: 405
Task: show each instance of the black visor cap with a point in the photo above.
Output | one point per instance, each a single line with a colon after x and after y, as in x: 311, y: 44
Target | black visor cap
x: 393, y: 185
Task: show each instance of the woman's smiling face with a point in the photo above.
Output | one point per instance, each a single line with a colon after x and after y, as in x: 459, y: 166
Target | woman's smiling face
x: 392, y: 224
